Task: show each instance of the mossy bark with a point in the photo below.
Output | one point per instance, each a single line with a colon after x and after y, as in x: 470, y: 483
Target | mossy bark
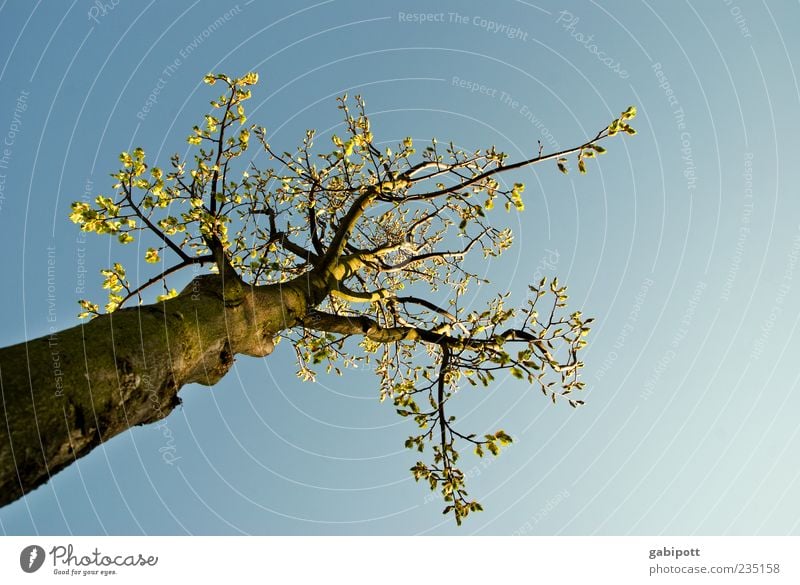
x: 65, y: 393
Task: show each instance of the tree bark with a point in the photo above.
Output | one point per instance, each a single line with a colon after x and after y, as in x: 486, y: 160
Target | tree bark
x: 65, y: 393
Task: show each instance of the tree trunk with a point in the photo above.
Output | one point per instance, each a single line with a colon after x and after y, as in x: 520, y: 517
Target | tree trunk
x: 65, y: 393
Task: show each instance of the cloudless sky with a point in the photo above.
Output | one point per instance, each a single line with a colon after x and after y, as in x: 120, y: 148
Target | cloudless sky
x: 682, y: 242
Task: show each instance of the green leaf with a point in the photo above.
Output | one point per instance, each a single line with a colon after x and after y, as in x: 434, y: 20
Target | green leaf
x: 172, y: 293
x: 629, y: 114
x: 151, y: 256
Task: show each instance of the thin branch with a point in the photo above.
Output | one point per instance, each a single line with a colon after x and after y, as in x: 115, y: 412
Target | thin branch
x: 428, y: 305
x: 161, y: 235
x: 188, y: 262
x: 346, y: 226
x: 312, y: 222
x: 429, y: 255
x: 500, y: 169
x: 372, y: 330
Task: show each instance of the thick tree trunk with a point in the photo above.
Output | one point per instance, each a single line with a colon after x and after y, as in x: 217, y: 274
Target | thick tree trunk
x: 64, y: 394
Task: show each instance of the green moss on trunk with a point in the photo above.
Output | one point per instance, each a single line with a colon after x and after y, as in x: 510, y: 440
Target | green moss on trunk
x: 64, y: 394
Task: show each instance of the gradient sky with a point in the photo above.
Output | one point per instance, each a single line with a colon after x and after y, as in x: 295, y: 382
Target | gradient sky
x: 682, y: 241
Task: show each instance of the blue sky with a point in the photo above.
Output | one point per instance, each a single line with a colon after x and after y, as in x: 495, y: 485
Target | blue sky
x: 682, y: 242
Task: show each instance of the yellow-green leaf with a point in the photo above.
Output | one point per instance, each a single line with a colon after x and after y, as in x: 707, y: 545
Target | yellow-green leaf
x: 151, y: 256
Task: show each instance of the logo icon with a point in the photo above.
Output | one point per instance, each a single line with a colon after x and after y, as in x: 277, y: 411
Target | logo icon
x: 31, y: 558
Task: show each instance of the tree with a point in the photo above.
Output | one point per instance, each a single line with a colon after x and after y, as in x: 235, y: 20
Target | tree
x: 341, y: 253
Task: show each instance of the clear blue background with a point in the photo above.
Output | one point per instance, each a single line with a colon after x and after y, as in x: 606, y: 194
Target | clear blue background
x: 690, y: 425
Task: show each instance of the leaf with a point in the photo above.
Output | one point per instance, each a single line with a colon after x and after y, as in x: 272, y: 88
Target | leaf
x: 172, y: 293
x: 249, y: 78
x: 629, y: 114
x: 151, y: 256
x: 503, y: 437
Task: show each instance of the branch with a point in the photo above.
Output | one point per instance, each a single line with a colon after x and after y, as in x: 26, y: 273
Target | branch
x: 372, y: 330
x: 172, y: 245
x: 346, y: 226
x: 427, y: 305
x: 500, y: 169
x: 429, y: 255
x: 353, y: 296
x: 312, y: 222
x: 282, y: 238
x: 215, y: 178
x: 197, y: 260
x: 296, y: 249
